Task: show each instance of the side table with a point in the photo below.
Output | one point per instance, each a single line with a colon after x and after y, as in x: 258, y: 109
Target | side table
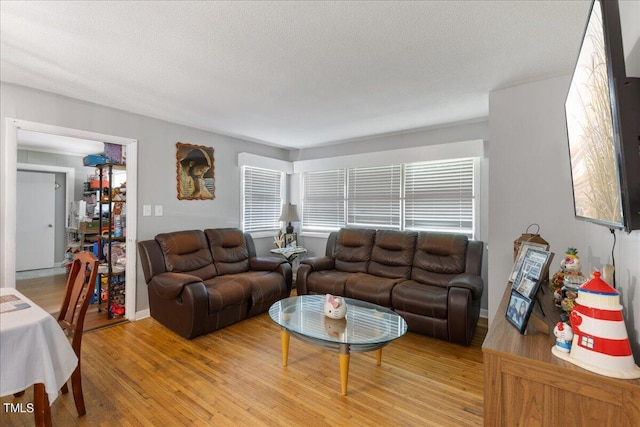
x: 291, y: 255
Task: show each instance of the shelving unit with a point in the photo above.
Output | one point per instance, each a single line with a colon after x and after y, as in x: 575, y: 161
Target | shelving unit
x: 110, y: 236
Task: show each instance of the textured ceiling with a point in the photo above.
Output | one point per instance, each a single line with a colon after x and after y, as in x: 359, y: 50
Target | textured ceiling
x: 290, y: 74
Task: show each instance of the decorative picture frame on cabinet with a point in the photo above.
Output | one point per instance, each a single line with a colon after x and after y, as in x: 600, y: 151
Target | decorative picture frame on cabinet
x: 520, y: 258
x: 519, y: 311
x: 524, y: 289
x: 195, y: 172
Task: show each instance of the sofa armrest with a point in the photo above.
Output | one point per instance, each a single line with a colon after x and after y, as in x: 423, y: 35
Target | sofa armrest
x: 275, y: 264
x: 468, y: 281
x: 186, y: 314
x: 320, y: 263
x: 170, y: 285
x: 265, y: 263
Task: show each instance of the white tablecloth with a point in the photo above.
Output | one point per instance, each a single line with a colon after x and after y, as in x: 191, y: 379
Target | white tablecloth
x: 33, y: 349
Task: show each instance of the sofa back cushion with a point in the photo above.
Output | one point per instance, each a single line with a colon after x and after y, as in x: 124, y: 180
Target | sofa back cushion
x: 353, y: 249
x: 438, y: 256
x: 392, y: 254
x: 187, y: 252
x: 229, y: 250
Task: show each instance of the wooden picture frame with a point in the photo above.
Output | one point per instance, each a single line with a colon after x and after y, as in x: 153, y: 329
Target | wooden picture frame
x: 195, y: 172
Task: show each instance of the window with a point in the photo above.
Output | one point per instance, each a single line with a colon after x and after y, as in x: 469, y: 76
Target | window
x: 433, y: 196
x: 373, y: 197
x: 323, y: 204
x: 262, y: 198
x: 439, y: 196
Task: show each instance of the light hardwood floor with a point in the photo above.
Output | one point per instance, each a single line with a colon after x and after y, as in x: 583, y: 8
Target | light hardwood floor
x: 141, y: 374
x: 48, y: 293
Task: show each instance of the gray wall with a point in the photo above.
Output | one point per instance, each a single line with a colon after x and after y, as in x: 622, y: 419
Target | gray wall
x: 156, y: 161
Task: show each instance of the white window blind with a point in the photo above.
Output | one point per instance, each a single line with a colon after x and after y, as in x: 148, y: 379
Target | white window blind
x: 430, y: 196
x: 323, y: 200
x: 262, y: 199
x: 373, y: 197
x: 439, y: 196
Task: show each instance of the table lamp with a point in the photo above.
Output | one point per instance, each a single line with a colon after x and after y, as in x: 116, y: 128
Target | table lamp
x: 289, y: 214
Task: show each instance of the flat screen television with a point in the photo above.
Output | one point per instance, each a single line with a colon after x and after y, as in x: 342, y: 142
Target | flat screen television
x: 603, y: 125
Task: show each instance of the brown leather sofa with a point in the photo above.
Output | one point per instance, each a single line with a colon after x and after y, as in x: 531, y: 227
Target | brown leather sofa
x: 201, y: 281
x: 431, y: 279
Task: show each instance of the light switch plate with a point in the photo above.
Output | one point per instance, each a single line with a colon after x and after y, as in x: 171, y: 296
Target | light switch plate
x: 158, y: 210
x: 146, y: 210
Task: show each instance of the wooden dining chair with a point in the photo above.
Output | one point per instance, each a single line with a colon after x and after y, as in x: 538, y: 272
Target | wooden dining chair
x: 80, y: 286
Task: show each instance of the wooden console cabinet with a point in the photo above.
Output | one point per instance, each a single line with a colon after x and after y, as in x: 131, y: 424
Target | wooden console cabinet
x: 526, y: 385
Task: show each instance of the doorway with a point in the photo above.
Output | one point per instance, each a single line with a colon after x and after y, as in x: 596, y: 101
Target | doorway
x: 8, y: 198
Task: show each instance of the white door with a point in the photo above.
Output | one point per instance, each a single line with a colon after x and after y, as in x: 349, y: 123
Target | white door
x: 35, y: 232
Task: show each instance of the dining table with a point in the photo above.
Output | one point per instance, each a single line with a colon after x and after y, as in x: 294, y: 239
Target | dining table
x: 34, y: 351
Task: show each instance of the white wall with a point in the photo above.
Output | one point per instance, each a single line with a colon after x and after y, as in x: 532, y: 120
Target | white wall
x: 157, y: 161
x: 529, y: 182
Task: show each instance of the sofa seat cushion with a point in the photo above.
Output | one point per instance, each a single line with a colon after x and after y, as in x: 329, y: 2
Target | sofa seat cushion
x: 327, y: 282
x: 367, y: 287
x: 267, y: 287
x: 225, y: 291
x: 424, y: 300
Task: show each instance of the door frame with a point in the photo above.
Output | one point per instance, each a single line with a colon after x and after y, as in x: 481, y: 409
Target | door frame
x: 8, y: 182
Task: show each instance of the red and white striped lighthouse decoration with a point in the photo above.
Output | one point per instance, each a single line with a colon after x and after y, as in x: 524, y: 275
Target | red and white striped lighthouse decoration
x: 600, y: 341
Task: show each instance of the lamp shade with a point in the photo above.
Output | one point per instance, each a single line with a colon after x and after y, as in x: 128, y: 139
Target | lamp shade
x: 289, y: 213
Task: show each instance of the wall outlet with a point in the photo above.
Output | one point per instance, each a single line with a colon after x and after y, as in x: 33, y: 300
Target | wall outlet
x: 146, y: 210
x: 158, y: 210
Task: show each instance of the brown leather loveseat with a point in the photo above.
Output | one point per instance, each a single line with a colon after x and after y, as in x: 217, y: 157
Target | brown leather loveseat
x: 201, y: 281
x: 431, y: 279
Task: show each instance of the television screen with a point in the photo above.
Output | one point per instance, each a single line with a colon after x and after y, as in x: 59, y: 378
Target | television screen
x: 592, y: 148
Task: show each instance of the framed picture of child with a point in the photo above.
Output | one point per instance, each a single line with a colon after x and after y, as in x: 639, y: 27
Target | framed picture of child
x: 195, y: 172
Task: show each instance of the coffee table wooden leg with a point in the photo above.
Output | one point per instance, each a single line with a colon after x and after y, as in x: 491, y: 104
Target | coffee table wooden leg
x: 379, y: 356
x: 284, y: 338
x: 42, y: 411
x: 344, y: 368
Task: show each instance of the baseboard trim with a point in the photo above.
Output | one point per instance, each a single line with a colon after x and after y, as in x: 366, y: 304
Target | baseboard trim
x: 484, y: 313
x: 142, y: 314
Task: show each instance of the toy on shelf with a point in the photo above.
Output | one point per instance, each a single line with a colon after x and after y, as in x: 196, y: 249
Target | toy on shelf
x: 564, y: 335
x: 565, y: 281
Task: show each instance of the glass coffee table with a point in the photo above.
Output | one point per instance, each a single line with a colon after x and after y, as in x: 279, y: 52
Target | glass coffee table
x: 366, y: 327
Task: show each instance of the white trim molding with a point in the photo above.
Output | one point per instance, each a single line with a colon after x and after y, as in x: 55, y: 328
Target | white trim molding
x: 256, y: 161
x: 445, y: 151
